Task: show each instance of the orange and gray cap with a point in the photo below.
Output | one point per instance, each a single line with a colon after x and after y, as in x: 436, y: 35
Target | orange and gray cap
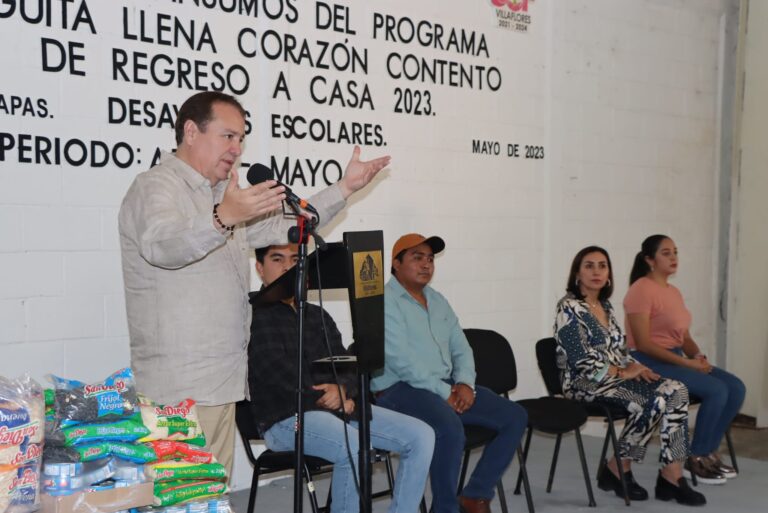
x: 411, y: 240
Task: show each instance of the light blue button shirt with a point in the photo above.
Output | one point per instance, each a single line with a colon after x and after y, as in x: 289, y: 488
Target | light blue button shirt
x: 423, y: 346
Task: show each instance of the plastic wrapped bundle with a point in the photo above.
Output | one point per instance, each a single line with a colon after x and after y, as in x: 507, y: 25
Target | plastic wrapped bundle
x: 22, y: 421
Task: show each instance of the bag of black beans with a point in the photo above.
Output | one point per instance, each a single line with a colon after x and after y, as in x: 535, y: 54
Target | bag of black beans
x: 109, y: 400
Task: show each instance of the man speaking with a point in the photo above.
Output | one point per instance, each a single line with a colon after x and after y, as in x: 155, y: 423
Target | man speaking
x: 185, y: 232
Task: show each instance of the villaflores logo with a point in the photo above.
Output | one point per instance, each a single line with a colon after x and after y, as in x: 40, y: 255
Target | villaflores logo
x: 512, y: 14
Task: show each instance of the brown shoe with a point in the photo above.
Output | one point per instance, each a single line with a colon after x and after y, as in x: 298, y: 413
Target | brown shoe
x: 704, y: 470
x: 470, y: 505
x: 726, y: 470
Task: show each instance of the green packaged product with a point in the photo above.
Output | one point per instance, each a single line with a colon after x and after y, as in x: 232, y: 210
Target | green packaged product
x: 175, y: 470
x: 135, y: 453
x: 174, y: 492
x: 127, y: 430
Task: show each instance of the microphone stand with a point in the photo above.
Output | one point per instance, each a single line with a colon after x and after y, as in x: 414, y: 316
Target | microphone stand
x: 300, y: 234
x: 301, y: 300
x: 364, y: 437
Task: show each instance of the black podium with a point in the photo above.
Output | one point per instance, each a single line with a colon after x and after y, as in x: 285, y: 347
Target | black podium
x: 356, y: 264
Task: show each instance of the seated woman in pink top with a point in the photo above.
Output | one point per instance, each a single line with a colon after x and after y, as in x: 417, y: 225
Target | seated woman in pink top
x: 658, y: 326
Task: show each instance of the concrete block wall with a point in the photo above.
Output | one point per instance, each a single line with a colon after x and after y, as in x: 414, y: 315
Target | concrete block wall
x: 635, y: 136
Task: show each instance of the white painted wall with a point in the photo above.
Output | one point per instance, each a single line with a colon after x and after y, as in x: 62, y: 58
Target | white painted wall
x: 748, y: 293
x: 621, y: 94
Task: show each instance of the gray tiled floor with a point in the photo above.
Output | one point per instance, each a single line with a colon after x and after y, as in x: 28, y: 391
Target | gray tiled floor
x: 746, y: 493
x: 750, y: 442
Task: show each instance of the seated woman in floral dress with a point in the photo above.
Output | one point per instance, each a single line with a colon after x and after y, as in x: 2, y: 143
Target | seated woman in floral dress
x: 594, y: 365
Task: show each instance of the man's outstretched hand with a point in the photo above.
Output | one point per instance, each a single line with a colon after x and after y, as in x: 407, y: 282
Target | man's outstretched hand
x: 240, y: 205
x: 359, y: 173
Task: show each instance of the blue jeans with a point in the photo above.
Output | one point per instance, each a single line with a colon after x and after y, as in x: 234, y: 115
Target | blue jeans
x: 489, y: 410
x: 324, y: 437
x: 721, y: 395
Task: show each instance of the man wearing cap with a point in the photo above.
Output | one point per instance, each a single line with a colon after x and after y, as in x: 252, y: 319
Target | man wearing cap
x: 272, y: 383
x: 429, y: 373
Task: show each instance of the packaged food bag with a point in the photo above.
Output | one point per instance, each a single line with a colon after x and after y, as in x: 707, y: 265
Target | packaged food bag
x: 22, y: 425
x: 172, y: 422
x: 174, y: 492
x: 173, y: 450
x: 125, y: 430
x: 106, y: 401
x: 131, y: 452
x: 176, y: 470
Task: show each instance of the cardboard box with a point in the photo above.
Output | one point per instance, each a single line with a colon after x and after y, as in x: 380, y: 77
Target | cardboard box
x: 104, y: 501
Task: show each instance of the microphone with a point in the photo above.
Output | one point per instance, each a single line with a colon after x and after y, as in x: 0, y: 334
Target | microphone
x: 259, y: 173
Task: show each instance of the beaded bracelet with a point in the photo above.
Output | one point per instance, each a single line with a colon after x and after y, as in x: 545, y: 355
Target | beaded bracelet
x: 223, y: 226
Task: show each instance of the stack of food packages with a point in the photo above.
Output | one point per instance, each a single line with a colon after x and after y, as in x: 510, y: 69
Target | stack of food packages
x: 105, y: 435
x: 92, y: 433
x: 21, y: 443
x: 184, y: 472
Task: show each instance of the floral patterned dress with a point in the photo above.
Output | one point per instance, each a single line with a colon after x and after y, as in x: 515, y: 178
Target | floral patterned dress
x: 585, y: 351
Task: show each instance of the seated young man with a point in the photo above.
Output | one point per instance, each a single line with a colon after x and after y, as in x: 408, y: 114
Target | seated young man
x: 429, y: 373
x: 272, y: 381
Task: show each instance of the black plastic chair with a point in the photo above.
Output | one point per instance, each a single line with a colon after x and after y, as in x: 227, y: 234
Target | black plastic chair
x: 555, y: 416
x: 547, y: 357
x: 271, y: 461
x: 496, y: 369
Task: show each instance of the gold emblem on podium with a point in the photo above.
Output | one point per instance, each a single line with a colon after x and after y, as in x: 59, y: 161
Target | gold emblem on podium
x: 369, y: 278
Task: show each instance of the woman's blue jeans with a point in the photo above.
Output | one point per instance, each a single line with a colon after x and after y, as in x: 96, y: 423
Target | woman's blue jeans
x: 721, y: 394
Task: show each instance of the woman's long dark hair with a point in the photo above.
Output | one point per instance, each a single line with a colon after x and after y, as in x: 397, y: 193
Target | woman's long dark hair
x: 648, y: 250
x: 573, y: 287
